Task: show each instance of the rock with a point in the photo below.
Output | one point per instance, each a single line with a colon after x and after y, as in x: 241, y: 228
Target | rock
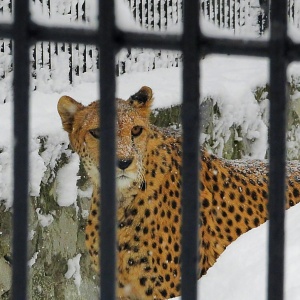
x: 5, y: 276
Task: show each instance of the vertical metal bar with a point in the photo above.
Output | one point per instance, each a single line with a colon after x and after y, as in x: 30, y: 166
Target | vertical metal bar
x: 107, y: 149
x: 278, y: 106
x: 21, y: 103
x: 190, y: 172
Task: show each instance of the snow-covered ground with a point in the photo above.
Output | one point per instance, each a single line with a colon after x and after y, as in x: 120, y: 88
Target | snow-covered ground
x: 240, y: 273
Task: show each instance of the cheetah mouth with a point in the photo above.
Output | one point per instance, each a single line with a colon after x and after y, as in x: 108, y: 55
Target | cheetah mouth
x: 123, y: 177
x: 124, y: 180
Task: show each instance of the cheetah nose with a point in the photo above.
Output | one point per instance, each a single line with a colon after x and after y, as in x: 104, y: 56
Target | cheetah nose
x: 124, y: 163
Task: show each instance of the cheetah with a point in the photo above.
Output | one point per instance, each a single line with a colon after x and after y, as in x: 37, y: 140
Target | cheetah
x: 233, y: 196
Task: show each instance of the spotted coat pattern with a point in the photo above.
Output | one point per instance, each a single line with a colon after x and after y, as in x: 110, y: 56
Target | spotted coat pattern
x: 233, y: 196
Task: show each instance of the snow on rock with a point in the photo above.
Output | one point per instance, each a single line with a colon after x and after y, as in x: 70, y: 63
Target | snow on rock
x: 231, y: 82
x: 74, y: 271
x: 31, y: 234
x: 66, y: 188
x: 37, y: 168
x: 6, y: 178
x: 44, y: 220
x: 32, y: 261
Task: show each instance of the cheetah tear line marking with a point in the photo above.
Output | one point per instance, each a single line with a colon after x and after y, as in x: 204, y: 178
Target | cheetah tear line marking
x: 233, y: 196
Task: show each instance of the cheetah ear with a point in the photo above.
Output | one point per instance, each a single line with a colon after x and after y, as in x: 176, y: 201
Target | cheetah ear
x: 142, y: 100
x: 67, y: 107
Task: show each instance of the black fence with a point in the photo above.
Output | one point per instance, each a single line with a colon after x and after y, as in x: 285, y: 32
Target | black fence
x: 239, y: 16
x: 280, y: 50
x: 154, y: 15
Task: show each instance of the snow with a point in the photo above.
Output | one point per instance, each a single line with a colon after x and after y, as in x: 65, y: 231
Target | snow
x: 32, y: 261
x: 241, y: 271
x: 74, y: 271
x: 124, y: 18
x: 63, y: 13
x: 67, y: 189
x: 31, y: 234
x: 37, y: 168
x: 44, y: 220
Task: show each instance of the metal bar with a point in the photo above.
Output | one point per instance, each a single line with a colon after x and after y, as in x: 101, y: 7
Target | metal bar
x: 148, y: 40
x: 292, y: 51
x: 107, y: 150
x: 63, y: 34
x: 278, y: 107
x: 21, y: 109
x: 211, y: 45
x: 6, y: 30
x: 190, y: 170
x: 208, y: 44
x: 125, y: 39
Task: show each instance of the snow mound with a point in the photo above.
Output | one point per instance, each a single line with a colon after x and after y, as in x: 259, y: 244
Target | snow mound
x: 241, y: 271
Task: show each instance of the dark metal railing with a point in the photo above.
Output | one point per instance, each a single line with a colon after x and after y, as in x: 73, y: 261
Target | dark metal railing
x: 155, y: 15
x: 278, y: 106
x: 280, y: 50
x: 21, y: 37
x: 190, y: 171
x: 107, y: 149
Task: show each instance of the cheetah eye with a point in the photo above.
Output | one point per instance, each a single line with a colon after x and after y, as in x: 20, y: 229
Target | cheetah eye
x: 136, y: 131
x: 95, y: 133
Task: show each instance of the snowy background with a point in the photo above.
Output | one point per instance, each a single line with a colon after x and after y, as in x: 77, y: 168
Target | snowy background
x: 240, y: 273
x: 235, y: 85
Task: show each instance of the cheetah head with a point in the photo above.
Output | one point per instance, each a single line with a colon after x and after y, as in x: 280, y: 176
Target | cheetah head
x: 83, y: 126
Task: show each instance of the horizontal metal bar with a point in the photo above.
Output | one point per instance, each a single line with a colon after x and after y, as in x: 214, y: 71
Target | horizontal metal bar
x: 124, y: 39
x: 207, y: 45
x: 6, y: 31
x: 148, y: 40
x: 212, y: 45
x: 89, y: 36
x: 63, y: 34
x: 292, y: 51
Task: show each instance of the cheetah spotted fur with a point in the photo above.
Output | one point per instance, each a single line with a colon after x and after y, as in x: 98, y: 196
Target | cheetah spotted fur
x: 233, y: 196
